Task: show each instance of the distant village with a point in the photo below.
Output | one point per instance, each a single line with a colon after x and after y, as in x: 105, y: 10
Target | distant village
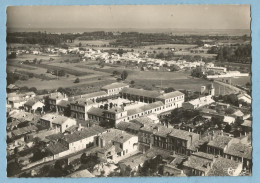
x: 124, y: 131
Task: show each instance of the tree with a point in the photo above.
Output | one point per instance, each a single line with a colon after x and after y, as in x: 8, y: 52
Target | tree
x: 168, y: 90
x: 80, y: 44
x: 115, y: 73
x: 175, y: 68
x: 76, y: 80
x: 197, y: 72
x: 227, y: 128
x: 33, y: 89
x: 132, y: 82
x: 110, y: 105
x: 124, y: 75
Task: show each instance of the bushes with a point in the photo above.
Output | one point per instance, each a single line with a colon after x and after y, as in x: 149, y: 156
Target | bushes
x: 77, y: 80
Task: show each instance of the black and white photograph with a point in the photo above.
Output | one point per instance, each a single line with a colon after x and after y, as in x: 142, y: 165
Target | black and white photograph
x: 128, y: 91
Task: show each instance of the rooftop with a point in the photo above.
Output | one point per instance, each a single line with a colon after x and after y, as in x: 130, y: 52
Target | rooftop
x: 152, y: 106
x: 221, y: 166
x: 31, y: 102
x: 96, y: 111
x: 220, y: 141
x: 63, y: 103
x: 247, y: 123
x: 131, y: 112
x: 84, y: 133
x: 141, y: 92
x: 93, y: 95
x: 56, y: 148
x: 114, y: 85
x: 240, y: 150
x: 170, y: 95
x: 182, y: 134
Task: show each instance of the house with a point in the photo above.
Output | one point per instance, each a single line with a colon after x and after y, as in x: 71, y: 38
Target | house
x: 80, y: 107
x: 247, y: 127
x: 62, y: 145
x: 203, y: 164
x: 244, y: 97
x: 175, y: 97
x: 63, y: 106
x: 12, y: 88
x: 55, y: 98
x: 94, y: 96
x: 141, y: 95
x: 219, y: 143
x: 199, y: 102
x: 116, y: 145
x: 114, y: 88
x: 32, y: 105
x: 52, y: 120
x: 241, y: 153
x: 115, y: 114
x: 81, y: 174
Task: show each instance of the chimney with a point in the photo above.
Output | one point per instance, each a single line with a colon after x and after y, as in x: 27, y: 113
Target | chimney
x: 79, y: 127
x: 190, y: 140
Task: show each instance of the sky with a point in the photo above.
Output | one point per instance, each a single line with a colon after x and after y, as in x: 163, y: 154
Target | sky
x: 131, y: 16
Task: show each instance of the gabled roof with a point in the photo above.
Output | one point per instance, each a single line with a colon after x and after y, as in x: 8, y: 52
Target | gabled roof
x: 56, y: 148
x: 141, y: 92
x: 84, y: 133
x: 63, y: 103
x: 131, y: 112
x: 221, y: 165
x: 220, y: 141
x: 152, y: 106
x: 182, y: 134
x: 170, y: 95
x: 240, y: 150
x: 114, y: 85
x: 96, y: 111
x: 95, y: 94
x: 247, y: 123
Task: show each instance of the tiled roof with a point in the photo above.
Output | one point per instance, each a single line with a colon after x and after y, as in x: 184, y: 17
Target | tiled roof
x: 204, y: 155
x: 82, y: 101
x: 170, y: 95
x: 114, y: 85
x: 247, y: 123
x: 123, y: 125
x: 81, y: 173
x: 60, y: 119
x: 30, y: 102
x: 85, y: 133
x: 24, y: 130
x: 198, y: 163
x: 182, y: 134
x: 115, y: 110
x: 56, y: 148
x: 123, y: 137
x: 239, y: 150
x: 152, y: 106
x: 163, y: 131
x: 141, y: 92
x: 220, y: 141
x: 96, y: 111
x: 95, y: 94
x: 131, y: 112
x: 221, y: 165
x: 63, y: 103
x: 143, y: 120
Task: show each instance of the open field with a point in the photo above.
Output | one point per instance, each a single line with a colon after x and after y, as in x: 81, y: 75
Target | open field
x: 193, y: 54
x: 163, y: 46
